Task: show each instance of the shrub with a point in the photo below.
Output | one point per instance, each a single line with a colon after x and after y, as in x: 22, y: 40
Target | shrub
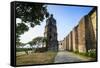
x: 76, y: 51
x: 92, y: 53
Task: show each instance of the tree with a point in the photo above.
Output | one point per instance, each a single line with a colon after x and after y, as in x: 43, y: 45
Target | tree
x: 38, y: 41
x: 20, y: 44
x: 32, y: 43
x: 20, y: 29
x: 30, y: 14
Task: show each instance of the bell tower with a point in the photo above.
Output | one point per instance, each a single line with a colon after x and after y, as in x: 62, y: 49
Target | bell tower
x: 51, y: 34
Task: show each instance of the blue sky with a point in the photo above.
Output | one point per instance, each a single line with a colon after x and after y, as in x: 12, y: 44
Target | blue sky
x: 67, y: 17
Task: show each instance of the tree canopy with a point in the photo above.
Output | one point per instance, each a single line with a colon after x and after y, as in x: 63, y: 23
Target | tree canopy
x: 18, y: 44
x: 37, y: 40
x: 31, y: 14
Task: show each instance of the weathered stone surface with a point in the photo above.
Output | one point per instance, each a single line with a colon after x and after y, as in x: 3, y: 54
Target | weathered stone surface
x: 93, y: 19
x: 67, y: 42
x: 75, y: 39
x: 81, y: 36
x: 64, y: 42
x: 70, y: 42
x: 86, y: 34
x: 61, y: 46
x: 51, y: 34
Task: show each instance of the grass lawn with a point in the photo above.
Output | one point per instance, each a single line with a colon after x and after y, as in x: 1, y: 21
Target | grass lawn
x: 36, y: 58
x: 82, y: 55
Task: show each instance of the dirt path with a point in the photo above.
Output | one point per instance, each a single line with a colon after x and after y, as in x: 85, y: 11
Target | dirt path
x: 66, y: 56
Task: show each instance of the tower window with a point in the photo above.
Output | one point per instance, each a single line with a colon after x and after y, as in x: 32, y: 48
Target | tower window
x: 50, y: 29
x: 50, y: 37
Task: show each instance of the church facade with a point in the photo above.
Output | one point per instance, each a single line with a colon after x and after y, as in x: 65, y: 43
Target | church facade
x: 51, y: 34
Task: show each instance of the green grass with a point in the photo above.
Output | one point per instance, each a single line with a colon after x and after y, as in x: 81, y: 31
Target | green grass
x: 90, y: 53
x: 36, y: 58
x: 22, y: 49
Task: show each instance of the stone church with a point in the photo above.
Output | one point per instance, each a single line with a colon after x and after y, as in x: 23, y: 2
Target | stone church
x: 51, y: 34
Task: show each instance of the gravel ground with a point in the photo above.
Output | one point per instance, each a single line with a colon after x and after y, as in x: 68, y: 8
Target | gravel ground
x: 66, y: 56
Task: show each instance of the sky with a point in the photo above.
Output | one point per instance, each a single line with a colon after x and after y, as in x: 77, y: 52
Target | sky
x: 67, y: 17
